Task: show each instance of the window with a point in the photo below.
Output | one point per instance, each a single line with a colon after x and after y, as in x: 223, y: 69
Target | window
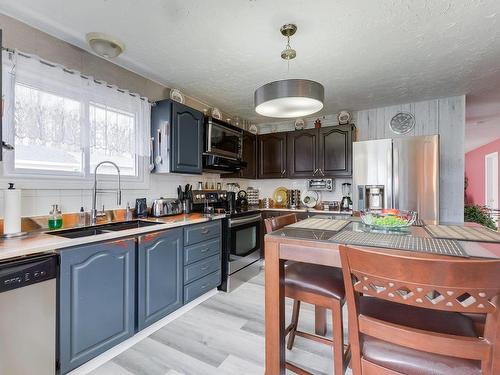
x: 63, y: 124
x: 47, y: 132
x: 112, y: 137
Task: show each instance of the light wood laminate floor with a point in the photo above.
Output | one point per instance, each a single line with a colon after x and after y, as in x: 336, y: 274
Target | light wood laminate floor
x: 223, y: 335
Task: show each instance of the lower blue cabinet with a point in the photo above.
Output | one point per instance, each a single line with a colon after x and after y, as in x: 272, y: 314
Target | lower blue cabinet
x: 160, y: 275
x: 96, y: 300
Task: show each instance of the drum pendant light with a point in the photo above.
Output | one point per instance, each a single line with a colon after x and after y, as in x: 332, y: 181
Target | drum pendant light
x: 289, y: 98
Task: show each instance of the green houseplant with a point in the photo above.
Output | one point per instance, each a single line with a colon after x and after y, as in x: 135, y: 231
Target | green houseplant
x: 478, y: 214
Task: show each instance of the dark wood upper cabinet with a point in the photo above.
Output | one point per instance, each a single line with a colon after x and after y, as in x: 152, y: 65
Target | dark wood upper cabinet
x: 250, y: 156
x: 302, y: 152
x: 272, y: 156
x: 335, y: 151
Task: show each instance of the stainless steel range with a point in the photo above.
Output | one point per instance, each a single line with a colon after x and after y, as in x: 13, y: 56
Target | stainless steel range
x: 241, y: 236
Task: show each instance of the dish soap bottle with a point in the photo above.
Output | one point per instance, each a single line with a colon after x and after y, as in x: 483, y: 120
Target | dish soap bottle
x: 55, y: 218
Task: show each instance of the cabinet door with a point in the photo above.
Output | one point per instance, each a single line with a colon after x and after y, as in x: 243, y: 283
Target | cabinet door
x: 96, y: 300
x: 187, y: 139
x: 335, y: 151
x: 302, y: 153
x: 250, y: 156
x: 161, y: 117
x: 160, y: 275
x: 272, y: 156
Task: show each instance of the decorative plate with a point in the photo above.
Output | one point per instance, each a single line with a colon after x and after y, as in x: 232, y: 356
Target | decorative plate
x: 177, y: 96
x: 310, y: 199
x: 253, y: 129
x: 279, y: 197
x: 216, y: 114
x: 299, y: 124
x: 344, y: 117
x: 402, y: 123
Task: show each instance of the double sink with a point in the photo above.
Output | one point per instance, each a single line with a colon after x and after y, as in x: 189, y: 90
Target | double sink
x: 101, y: 229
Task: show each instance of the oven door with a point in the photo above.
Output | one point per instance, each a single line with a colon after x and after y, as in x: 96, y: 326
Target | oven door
x: 243, y: 241
x: 222, y: 141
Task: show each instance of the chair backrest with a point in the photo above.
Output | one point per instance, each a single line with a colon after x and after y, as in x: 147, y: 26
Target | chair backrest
x: 439, y: 283
x: 278, y: 222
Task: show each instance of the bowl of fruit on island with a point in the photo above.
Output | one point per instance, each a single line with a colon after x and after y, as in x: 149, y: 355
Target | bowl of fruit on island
x: 388, y: 219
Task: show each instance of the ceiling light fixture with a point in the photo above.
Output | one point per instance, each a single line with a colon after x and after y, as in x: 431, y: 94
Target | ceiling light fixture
x: 289, y: 98
x: 105, y: 45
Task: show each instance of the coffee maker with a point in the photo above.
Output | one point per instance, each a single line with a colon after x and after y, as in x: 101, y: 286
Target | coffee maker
x: 242, y: 201
x: 346, y: 202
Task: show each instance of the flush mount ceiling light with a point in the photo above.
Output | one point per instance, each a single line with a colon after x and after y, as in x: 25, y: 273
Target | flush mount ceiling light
x: 105, y: 45
x: 289, y: 98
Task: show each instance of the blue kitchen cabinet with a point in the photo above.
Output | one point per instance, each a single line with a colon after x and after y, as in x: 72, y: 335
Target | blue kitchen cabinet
x: 96, y: 300
x: 160, y: 275
x: 177, y: 137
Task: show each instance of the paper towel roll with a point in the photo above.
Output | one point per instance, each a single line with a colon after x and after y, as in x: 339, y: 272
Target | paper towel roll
x: 12, y: 211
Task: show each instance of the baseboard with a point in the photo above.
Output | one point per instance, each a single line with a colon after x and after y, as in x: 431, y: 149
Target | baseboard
x: 121, y: 347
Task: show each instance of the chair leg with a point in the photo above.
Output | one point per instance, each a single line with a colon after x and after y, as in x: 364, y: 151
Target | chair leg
x: 338, y: 338
x: 294, y: 324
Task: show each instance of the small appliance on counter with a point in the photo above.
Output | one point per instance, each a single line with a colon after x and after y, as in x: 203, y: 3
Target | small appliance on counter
x: 141, y: 207
x: 242, y: 200
x: 321, y: 184
x: 293, y: 198
x: 186, y: 198
x: 166, y: 207
x: 230, y: 201
x: 346, y: 202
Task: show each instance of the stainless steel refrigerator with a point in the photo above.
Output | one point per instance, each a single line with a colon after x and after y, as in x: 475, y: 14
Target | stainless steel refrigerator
x: 401, y: 173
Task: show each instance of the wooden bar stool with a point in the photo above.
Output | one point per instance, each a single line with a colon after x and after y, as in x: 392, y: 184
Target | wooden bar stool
x: 409, y: 315
x: 318, y: 285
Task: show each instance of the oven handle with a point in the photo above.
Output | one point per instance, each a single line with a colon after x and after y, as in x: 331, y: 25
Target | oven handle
x: 236, y: 222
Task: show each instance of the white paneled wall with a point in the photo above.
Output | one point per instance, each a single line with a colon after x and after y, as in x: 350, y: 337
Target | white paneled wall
x: 445, y: 117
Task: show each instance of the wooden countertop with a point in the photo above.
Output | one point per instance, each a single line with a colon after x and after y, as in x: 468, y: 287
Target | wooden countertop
x: 42, y: 242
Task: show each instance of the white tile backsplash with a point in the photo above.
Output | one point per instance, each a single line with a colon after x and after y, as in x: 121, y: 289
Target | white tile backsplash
x: 39, y: 202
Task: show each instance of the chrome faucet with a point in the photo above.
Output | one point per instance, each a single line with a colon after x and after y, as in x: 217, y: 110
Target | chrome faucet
x: 93, y: 213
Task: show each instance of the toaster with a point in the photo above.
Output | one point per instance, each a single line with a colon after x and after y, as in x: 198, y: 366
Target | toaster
x: 166, y: 207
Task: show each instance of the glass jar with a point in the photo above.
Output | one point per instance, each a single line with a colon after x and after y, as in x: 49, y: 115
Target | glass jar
x: 55, y: 220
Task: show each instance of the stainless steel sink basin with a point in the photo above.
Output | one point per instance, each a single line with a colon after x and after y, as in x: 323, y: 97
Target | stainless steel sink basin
x: 105, y: 228
x: 126, y: 225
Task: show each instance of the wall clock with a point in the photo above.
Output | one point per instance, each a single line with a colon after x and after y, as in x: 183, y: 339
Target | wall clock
x: 402, y: 123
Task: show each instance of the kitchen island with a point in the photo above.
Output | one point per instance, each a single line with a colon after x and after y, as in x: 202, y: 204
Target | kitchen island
x: 317, y: 246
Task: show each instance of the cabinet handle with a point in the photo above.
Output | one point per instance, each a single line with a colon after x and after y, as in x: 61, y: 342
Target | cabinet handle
x: 204, y: 286
x: 204, y: 268
x: 205, y: 250
x: 315, y: 171
x: 283, y: 172
x: 204, y: 230
x: 322, y: 173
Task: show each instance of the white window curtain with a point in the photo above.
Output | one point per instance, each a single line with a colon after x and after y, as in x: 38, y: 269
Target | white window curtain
x: 62, y: 123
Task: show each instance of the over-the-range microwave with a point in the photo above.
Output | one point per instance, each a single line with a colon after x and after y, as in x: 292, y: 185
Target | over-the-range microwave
x: 223, y: 146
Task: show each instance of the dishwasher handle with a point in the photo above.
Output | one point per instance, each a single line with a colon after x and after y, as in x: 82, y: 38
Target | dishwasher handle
x: 25, y: 272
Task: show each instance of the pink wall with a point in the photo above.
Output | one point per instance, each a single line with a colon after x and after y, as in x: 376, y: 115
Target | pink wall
x: 475, y: 171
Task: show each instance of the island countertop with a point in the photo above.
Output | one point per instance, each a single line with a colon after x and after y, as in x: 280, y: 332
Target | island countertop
x: 43, y: 242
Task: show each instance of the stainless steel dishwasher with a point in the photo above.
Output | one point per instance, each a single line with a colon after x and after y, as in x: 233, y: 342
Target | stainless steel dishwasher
x: 28, y: 316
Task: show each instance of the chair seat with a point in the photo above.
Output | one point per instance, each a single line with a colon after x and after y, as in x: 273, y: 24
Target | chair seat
x: 317, y: 279
x: 409, y: 361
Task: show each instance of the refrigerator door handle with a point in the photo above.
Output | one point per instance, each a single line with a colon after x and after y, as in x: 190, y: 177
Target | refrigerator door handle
x: 396, y: 178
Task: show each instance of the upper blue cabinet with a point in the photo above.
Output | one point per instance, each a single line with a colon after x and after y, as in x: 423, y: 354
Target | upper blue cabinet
x: 176, y: 138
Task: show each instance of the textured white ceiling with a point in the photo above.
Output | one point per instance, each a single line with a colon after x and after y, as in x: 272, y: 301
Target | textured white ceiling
x: 366, y: 53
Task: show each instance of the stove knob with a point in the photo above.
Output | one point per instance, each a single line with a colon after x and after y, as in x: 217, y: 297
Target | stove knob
x: 197, y: 196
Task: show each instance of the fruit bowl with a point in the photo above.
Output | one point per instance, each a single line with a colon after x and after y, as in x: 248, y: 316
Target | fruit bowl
x: 388, y: 219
